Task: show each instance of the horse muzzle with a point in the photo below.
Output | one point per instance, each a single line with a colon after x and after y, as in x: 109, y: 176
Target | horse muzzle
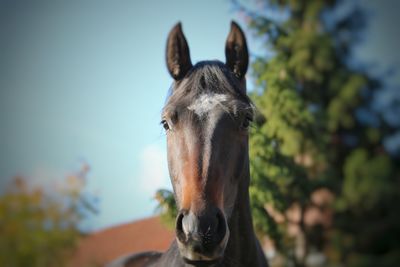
x: 202, y: 238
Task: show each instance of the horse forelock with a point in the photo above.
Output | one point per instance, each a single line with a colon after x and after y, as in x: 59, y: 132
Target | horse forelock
x: 208, y: 85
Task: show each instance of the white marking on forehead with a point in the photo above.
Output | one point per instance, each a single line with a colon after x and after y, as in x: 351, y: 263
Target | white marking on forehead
x: 206, y: 102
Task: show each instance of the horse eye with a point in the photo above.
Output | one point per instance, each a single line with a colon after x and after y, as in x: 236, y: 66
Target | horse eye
x: 165, y: 125
x: 246, y: 123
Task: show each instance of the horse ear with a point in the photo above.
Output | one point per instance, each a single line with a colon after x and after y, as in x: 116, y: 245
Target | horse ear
x: 237, y: 55
x: 177, y: 55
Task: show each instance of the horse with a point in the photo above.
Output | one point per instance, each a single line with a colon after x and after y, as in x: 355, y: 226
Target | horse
x: 206, y: 119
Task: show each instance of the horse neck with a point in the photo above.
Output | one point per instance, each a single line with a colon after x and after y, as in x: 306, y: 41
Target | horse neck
x: 242, y: 247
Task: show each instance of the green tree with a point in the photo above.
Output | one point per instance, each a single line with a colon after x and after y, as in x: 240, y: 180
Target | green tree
x: 322, y: 179
x: 40, y: 228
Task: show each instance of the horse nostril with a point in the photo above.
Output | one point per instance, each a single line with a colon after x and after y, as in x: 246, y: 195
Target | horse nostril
x: 212, y: 227
x: 220, y: 226
x: 179, y: 226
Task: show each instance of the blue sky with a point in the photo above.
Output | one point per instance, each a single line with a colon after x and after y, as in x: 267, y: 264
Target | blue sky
x: 85, y: 81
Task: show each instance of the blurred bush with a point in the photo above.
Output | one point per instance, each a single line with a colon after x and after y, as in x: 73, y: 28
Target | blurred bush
x: 166, y: 207
x: 40, y: 228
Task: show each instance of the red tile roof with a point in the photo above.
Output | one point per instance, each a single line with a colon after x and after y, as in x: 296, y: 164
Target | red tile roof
x: 100, y: 247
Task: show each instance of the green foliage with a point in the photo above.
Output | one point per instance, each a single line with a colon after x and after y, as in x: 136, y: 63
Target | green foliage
x: 166, y: 207
x: 312, y: 138
x: 38, y: 228
x: 371, y: 177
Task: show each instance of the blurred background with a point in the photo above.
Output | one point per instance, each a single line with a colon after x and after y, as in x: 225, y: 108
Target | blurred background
x: 82, y: 85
